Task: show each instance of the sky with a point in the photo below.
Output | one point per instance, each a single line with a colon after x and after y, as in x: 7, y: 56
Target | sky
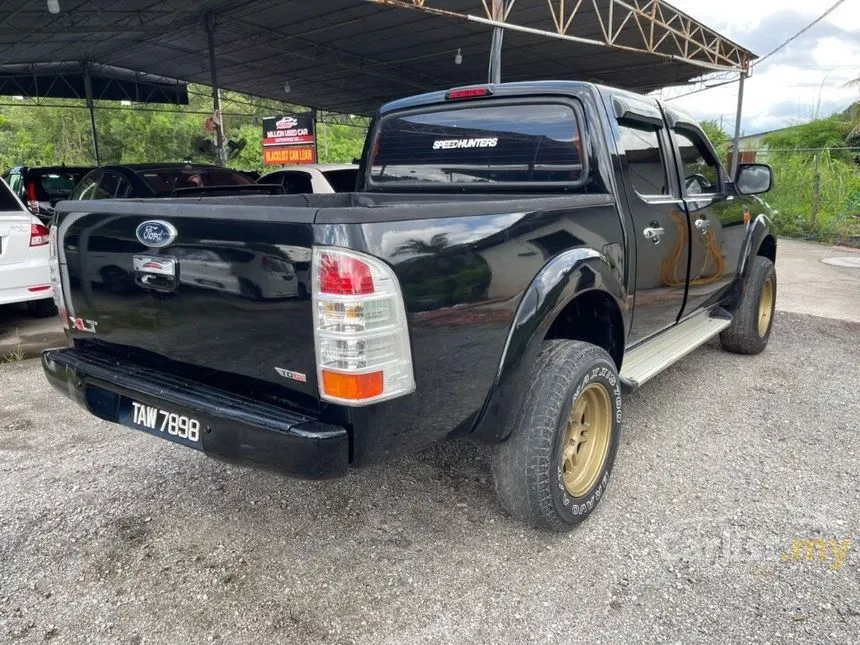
x: 805, y: 78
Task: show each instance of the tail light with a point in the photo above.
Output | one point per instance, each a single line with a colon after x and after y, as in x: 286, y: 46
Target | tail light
x: 38, y: 235
x: 54, y: 272
x: 32, y: 197
x: 361, y: 336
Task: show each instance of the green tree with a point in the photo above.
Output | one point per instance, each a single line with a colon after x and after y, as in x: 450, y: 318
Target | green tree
x: 60, y: 133
x: 829, y: 132
x: 717, y: 136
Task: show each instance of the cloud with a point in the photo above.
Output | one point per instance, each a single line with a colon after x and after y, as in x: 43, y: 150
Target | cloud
x: 805, y: 78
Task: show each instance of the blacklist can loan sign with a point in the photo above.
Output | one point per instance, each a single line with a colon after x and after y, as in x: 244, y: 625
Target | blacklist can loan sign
x: 289, y: 140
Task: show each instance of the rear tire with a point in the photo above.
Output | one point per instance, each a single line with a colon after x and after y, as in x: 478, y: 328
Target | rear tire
x: 753, y: 317
x: 42, y: 308
x: 249, y: 290
x: 554, y: 469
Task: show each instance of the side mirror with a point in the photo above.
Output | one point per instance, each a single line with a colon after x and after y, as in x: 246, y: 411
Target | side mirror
x: 753, y: 178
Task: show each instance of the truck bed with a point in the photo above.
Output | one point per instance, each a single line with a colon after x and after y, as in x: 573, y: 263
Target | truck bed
x: 241, y: 314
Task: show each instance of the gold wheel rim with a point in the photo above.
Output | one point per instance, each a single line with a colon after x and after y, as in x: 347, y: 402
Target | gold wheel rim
x: 765, y: 307
x: 586, y: 440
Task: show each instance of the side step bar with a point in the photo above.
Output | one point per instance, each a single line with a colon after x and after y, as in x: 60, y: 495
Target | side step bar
x: 646, y: 360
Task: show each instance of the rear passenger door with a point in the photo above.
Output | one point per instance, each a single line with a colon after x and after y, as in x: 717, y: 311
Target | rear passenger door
x: 660, y: 228
x: 717, y: 229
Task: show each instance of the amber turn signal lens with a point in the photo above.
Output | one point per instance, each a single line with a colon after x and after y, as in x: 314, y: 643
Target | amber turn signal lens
x: 352, y: 386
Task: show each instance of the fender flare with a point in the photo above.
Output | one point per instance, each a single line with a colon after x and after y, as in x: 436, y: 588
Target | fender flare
x: 565, y: 277
x: 760, y: 228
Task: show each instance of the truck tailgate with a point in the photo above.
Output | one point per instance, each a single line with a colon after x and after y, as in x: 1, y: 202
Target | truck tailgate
x: 237, y: 300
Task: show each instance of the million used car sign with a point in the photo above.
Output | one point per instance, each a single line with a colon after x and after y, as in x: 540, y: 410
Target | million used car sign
x: 289, y: 140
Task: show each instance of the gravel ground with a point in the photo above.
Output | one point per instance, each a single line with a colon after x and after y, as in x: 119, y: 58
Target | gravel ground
x: 112, y: 536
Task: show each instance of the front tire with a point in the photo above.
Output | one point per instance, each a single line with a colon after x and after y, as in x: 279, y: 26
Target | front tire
x: 554, y: 469
x: 752, y: 319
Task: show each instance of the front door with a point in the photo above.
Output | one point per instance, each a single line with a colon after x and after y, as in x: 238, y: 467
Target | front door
x: 717, y: 219
x: 661, y: 230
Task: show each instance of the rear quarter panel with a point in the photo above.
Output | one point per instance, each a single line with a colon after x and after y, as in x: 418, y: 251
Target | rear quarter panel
x: 463, y: 270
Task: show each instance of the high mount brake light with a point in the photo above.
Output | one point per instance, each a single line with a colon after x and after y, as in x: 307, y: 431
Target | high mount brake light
x: 361, y: 337
x: 468, y: 93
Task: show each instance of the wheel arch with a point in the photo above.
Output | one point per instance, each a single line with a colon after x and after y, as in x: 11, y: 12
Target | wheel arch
x: 760, y: 240
x: 568, y: 285
x: 767, y: 248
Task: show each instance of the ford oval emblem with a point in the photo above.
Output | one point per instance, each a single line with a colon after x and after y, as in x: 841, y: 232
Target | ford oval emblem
x: 156, y: 233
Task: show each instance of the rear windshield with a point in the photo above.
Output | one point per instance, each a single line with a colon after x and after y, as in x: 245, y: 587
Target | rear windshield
x: 342, y: 181
x: 7, y: 199
x: 166, y: 180
x: 488, y: 144
x: 56, y: 184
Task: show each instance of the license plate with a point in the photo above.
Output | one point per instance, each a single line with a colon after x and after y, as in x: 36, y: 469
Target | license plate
x: 169, y: 425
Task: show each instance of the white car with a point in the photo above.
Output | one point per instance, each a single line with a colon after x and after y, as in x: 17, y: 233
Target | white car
x: 314, y: 178
x: 24, y: 272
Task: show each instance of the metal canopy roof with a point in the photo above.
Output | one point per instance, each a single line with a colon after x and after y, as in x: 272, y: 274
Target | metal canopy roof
x: 68, y: 81
x: 350, y: 56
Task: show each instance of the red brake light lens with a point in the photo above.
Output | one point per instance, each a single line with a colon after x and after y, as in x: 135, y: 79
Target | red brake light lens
x: 468, y: 93
x: 39, y: 235
x: 344, y: 276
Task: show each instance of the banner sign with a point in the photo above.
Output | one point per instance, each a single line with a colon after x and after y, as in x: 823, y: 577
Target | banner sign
x: 289, y: 155
x: 289, y: 140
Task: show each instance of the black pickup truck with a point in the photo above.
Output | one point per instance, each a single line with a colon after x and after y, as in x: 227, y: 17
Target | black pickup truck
x: 515, y: 257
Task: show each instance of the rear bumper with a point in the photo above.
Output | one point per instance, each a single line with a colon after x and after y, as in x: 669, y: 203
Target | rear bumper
x: 17, y: 279
x: 234, y: 428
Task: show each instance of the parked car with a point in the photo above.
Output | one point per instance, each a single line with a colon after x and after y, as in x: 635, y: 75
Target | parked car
x: 164, y: 180
x: 40, y: 188
x: 24, y: 275
x: 517, y: 257
x: 318, y: 178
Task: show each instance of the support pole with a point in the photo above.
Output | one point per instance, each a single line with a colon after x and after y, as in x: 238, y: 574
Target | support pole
x: 736, y: 145
x: 216, y: 90
x: 88, y: 95
x: 494, y: 74
x: 314, y: 116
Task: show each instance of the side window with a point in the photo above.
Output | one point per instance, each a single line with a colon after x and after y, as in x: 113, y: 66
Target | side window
x: 107, y: 186
x: 700, y: 167
x: 86, y: 188
x: 123, y: 188
x: 295, y: 183
x: 646, y: 163
x: 15, y: 183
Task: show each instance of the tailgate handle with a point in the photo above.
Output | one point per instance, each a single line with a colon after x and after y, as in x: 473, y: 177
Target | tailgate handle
x: 156, y: 272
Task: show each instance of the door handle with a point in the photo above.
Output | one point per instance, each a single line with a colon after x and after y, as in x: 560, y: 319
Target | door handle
x: 703, y: 225
x: 654, y: 234
x: 159, y: 273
